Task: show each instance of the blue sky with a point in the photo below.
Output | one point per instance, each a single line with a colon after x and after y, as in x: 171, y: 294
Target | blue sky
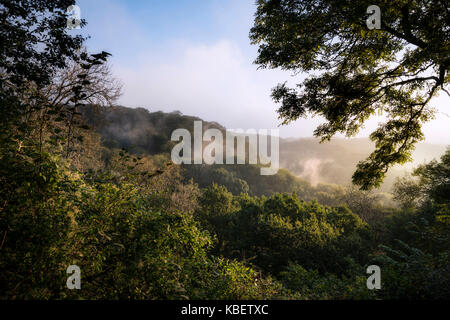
x: 128, y: 27
x: 195, y: 56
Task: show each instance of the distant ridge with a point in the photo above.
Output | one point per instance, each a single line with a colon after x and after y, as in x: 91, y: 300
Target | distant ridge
x: 142, y: 131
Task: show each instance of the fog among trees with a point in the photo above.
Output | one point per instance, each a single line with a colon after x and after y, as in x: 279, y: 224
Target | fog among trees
x: 86, y: 182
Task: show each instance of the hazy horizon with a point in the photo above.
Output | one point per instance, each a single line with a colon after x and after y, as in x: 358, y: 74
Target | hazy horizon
x: 195, y: 57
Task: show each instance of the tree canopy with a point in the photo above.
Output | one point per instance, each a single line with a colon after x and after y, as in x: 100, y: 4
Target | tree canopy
x: 355, y: 71
x: 140, y: 227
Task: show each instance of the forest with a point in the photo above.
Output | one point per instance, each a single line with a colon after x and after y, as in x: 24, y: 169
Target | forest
x: 87, y: 182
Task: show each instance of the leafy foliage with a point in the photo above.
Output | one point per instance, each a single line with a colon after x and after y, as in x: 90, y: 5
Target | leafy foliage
x: 357, y: 71
x: 140, y: 227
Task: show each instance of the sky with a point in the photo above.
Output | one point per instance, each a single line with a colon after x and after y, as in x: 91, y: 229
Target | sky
x: 195, y: 56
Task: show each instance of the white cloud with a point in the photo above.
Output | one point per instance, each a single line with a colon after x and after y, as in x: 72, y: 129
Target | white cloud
x: 214, y: 82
